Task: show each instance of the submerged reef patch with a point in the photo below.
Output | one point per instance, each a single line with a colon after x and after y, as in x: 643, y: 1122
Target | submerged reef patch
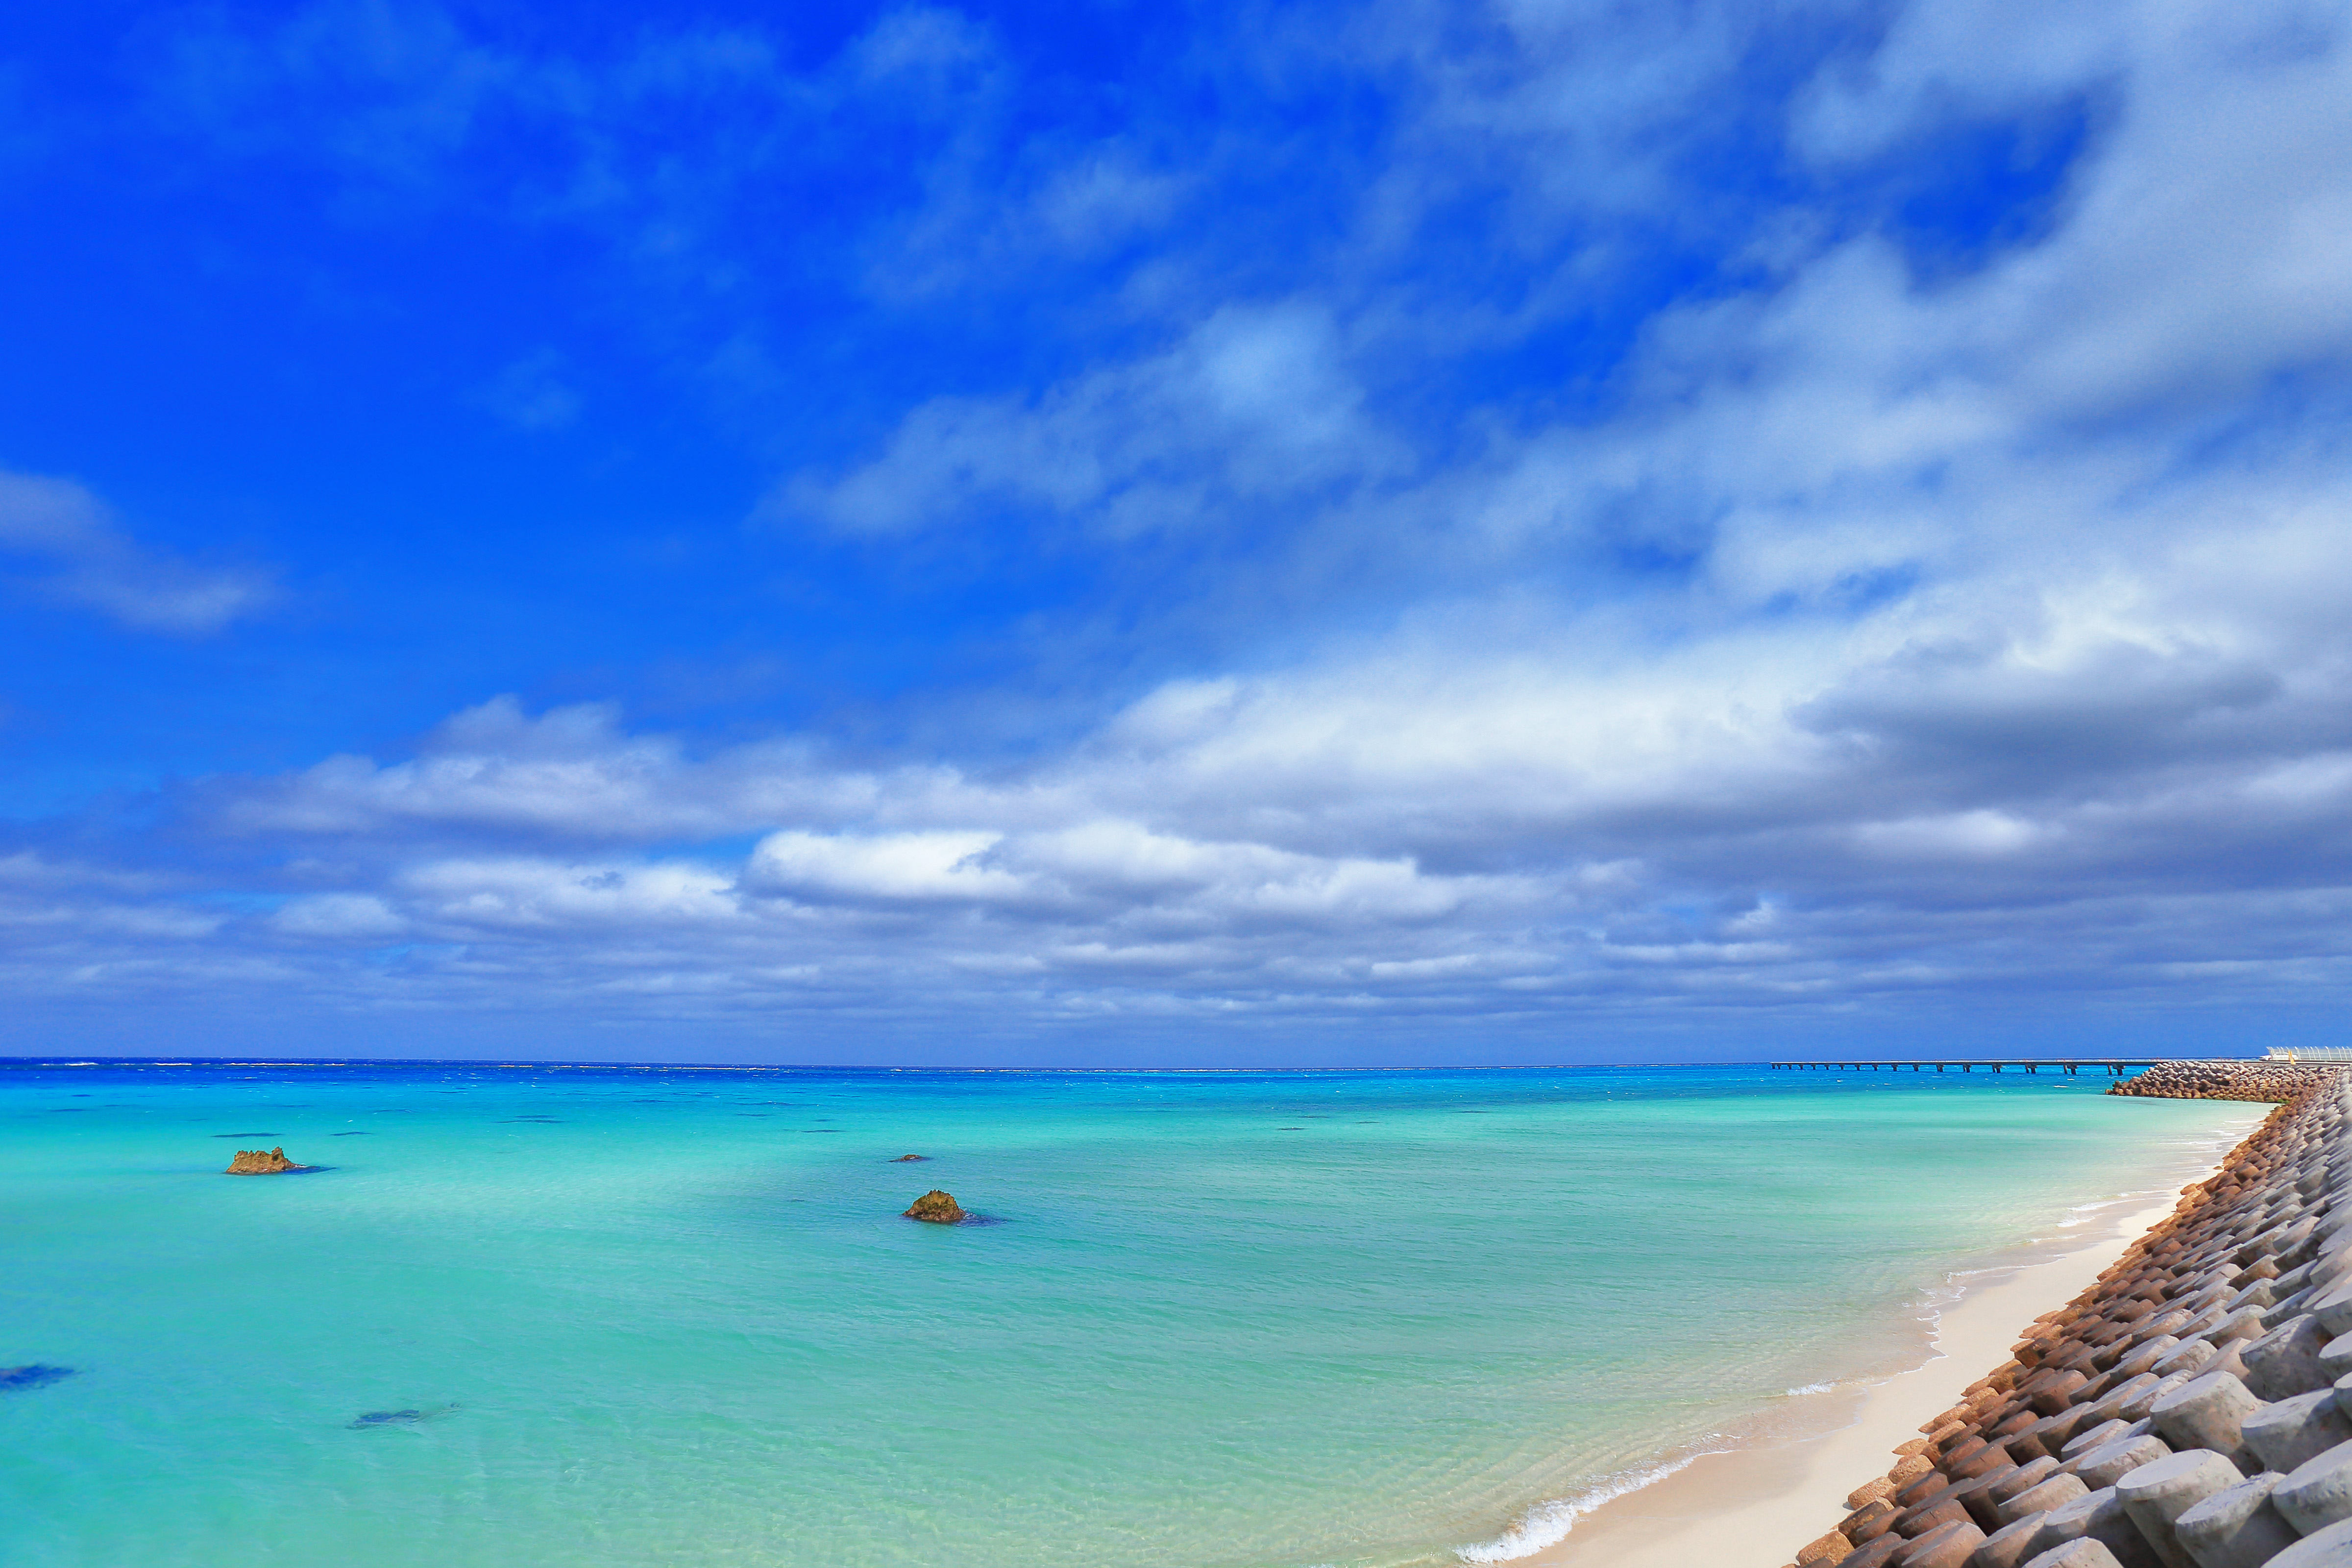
x: 375, y: 1418
x: 33, y: 1377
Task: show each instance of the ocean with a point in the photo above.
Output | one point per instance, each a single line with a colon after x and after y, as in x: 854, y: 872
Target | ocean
x: 612, y: 1315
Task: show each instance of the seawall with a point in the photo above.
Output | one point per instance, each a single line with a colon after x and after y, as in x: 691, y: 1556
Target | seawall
x: 2182, y: 1411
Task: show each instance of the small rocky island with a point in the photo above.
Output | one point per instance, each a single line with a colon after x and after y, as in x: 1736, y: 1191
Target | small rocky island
x: 262, y: 1162
x: 904, y: 1158
x: 937, y: 1207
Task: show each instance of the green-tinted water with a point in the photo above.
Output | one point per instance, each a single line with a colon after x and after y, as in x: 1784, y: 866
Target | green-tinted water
x: 625, y: 1316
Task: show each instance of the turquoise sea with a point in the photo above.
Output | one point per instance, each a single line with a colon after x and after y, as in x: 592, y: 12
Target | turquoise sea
x: 533, y: 1315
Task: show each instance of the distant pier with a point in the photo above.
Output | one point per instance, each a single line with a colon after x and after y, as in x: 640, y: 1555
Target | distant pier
x: 2115, y: 1066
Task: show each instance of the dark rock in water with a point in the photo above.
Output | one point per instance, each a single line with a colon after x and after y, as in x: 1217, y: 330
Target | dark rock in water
x: 904, y: 1158
x: 939, y: 1207
x: 34, y: 1376
x: 262, y: 1162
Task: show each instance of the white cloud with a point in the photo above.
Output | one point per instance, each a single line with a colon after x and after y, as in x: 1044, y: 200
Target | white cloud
x: 1253, y: 402
x: 922, y: 867
x: 69, y: 548
x: 532, y: 393
x: 338, y: 915
x: 522, y: 893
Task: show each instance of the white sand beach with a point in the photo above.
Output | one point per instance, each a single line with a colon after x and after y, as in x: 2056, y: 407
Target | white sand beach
x: 1754, y: 1507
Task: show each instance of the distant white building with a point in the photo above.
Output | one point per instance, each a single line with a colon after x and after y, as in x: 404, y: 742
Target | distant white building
x: 2309, y: 1054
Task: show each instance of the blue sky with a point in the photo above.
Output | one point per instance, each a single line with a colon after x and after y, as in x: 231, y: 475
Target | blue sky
x: 1113, y: 534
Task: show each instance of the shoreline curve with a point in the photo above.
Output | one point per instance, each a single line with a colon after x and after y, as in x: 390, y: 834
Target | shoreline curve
x: 1752, y: 1502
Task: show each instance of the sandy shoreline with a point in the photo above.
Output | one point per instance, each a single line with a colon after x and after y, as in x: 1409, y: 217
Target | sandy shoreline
x: 1754, y: 1507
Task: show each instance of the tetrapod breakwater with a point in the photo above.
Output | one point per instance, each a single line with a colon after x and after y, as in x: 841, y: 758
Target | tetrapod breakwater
x: 2191, y: 1409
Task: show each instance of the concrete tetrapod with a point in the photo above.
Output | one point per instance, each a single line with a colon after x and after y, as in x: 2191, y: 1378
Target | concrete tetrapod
x: 1879, y: 1553
x: 2155, y: 1495
x: 2010, y: 1545
x: 1830, y: 1549
x: 2331, y: 1548
x: 2245, y: 1323
x: 2236, y: 1529
x: 1984, y: 1505
x: 2111, y: 1462
x: 2109, y: 1406
x: 1947, y: 1546
x: 2099, y: 1517
x: 1946, y: 1509
x: 2061, y: 1429
x: 2344, y: 1391
x: 2055, y: 1492
x: 1976, y: 1497
x: 2297, y: 1428
x: 2144, y: 1355
x: 2285, y: 1361
x: 2140, y: 1406
x: 2084, y: 1553
x: 2107, y: 1431
x: 2206, y: 1412
x: 2009, y: 1483
x: 2317, y: 1492
x: 2333, y: 1307
x: 2189, y: 1358
x: 1866, y: 1523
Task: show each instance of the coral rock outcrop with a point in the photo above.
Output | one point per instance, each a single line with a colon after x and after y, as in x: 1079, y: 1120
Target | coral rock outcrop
x: 261, y: 1163
x: 937, y: 1207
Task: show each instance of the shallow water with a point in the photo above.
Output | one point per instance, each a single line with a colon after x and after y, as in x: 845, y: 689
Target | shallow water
x: 1220, y: 1320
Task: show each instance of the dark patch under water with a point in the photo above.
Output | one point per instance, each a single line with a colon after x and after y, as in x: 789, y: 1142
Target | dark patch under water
x: 398, y: 1418
x: 250, y: 1134
x: 34, y: 1376
x: 351, y: 1134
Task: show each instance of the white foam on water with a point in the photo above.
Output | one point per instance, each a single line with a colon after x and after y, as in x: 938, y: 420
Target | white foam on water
x: 1548, y: 1523
x: 1809, y: 1388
